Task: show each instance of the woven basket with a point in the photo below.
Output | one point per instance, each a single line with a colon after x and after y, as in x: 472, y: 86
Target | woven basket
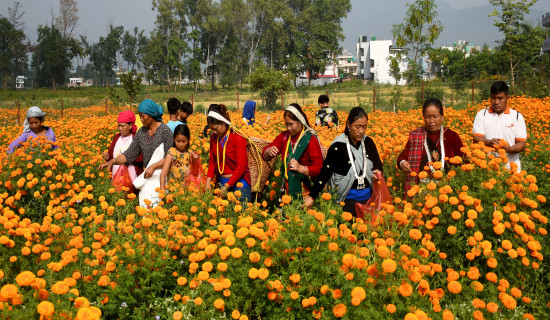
x: 266, y: 167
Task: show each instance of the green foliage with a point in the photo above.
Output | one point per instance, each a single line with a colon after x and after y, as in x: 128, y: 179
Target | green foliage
x: 417, y: 32
x: 131, y: 82
x: 429, y: 92
x: 52, y: 57
x: 520, y: 41
x: 13, y: 58
x: 269, y: 82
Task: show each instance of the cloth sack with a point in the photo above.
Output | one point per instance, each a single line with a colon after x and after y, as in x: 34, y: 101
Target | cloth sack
x: 147, y: 186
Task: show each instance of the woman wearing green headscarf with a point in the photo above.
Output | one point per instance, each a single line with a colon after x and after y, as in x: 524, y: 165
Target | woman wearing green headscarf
x: 300, y: 150
x: 147, y: 139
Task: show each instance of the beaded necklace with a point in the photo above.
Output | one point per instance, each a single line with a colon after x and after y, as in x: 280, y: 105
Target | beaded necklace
x: 428, y: 153
x: 224, y: 143
x: 293, y: 149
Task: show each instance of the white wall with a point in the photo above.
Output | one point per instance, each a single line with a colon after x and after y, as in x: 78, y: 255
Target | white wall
x: 378, y: 51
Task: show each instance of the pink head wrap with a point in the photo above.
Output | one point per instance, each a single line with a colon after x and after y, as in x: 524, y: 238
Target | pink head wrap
x: 128, y: 116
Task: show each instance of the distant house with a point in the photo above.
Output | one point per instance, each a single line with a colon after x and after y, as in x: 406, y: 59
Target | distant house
x: 79, y: 82
x: 20, y: 82
x: 329, y: 76
x: 373, y: 60
x: 346, y: 64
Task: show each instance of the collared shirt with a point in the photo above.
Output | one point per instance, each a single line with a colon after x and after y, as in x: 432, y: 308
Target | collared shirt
x: 509, y: 126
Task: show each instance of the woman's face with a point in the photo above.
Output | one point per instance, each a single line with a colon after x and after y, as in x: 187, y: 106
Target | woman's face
x: 357, y: 129
x: 35, y: 124
x: 124, y: 128
x: 432, y: 119
x: 294, y: 127
x: 219, y: 129
x: 146, y: 119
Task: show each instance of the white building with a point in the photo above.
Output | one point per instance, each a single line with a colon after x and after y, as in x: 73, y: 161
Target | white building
x: 20, y: 82
x: 373, y: 60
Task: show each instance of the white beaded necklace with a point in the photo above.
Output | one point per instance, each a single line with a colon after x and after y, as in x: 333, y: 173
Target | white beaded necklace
x: 360, y: 179
x: 430, y: 160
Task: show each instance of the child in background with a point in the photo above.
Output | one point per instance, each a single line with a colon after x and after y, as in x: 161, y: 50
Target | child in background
x: 177, y: 163
x: 174, y: 106
x: 186, y: 109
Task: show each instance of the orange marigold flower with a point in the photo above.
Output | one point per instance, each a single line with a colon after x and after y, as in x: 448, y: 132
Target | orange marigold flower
x: 339, y: 310
x: 45, y: 308
x: 389, y: 266
x: 508, y: 301
x: 415, y: 234
x: 25, y: 278
x: 391, y: 308
x: 448, y: 315
x: 454, y: 287
x: 405, y: 289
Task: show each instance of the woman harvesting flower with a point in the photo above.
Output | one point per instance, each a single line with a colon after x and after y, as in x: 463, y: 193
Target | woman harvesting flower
x: 351, y: 165
x: 300, y: 149
x: 33, y: 128
x: 428, y: 144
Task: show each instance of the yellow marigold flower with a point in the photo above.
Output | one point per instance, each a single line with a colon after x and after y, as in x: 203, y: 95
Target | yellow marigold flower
x: 219, y: 304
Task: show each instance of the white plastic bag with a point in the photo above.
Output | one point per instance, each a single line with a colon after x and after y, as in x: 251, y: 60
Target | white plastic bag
x: 147, y: 186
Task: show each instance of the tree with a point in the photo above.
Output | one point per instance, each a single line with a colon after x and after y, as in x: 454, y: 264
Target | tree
x: 103, y: 54
x: 395, y: 70
x: 131, y: 47
x: 52, y: 56
x: 417, y: 33
x: 517, y: 46
x: 311, y: 45
x: 269, y: 82
x: 131, y: 82
x: 155, y: 59
x: 15, y: 15
x: 67, y: 20
x: 13, y: 52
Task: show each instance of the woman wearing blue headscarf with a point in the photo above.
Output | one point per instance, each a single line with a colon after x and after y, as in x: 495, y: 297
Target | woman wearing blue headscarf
x: 147, y: 139
x: 249, y: 112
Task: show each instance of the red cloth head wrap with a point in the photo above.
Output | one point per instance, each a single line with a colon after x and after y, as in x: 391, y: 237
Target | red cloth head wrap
x: 128, y: 117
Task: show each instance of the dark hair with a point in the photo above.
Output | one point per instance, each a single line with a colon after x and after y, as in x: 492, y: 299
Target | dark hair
x: 183, y: 130
x: 323, y: 99
x: 173, y: 105
x: 355, y: 114
x: 293, y: 117
x: 221, y: 109
x: 498, y: 87
x: 186, y: 107
x: 432, y: 102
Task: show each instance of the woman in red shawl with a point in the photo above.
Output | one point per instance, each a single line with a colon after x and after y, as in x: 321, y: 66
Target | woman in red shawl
x: 122, y: 140
x: 428, y: 144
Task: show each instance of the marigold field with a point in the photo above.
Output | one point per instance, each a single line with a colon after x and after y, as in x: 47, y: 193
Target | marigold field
x: 472, y: 244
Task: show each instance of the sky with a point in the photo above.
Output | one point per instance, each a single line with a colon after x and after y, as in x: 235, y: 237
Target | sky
x: 462, y: 19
